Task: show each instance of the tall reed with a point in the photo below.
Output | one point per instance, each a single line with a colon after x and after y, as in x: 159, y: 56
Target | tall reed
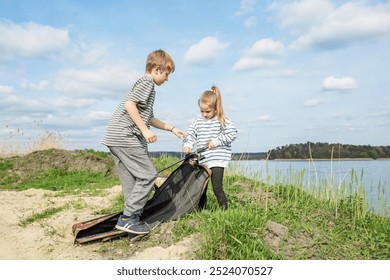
x: 348, y: 188
x: 20, y: 144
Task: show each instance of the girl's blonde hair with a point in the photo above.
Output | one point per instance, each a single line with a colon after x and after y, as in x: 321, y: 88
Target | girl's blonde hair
x: 160, y: 59
x: 213, y: 99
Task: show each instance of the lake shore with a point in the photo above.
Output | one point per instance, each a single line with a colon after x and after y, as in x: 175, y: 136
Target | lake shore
x: 314, y: 159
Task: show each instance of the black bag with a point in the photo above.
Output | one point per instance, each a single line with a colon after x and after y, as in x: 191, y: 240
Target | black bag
x: 178, y: 195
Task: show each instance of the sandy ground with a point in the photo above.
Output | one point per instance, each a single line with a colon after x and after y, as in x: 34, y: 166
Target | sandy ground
x: 52, y: 238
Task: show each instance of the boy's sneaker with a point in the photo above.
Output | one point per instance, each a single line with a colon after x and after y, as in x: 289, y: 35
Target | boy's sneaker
x: 132, y: 225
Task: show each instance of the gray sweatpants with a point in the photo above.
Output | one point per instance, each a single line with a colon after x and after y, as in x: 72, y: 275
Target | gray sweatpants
x: 136, y: 174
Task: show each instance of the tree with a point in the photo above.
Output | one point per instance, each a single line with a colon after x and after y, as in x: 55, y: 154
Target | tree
x: 324, y: 151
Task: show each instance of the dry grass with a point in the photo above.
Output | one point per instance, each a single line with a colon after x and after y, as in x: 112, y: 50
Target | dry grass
x: 17, y: 144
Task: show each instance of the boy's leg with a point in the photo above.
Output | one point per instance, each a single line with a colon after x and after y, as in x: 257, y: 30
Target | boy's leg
x: 137, y: 175
x: 216, y: 180
x: 126, y: 179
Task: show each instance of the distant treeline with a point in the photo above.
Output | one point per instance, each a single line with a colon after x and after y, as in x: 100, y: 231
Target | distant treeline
x: 163, y: 153
x: 236, y: 156
x: 327, y: 151
x: 306, y: 151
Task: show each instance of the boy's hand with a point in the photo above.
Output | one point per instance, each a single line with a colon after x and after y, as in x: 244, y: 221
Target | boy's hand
x: 186, y: 150
x: 149, y: 136
x: 179, y: 133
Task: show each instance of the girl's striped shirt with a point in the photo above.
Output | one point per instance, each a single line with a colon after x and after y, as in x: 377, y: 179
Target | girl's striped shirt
x: 202, y: 131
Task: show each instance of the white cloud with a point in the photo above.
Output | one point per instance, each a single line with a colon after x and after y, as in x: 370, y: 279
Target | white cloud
x: 17, y: 104
x: 338, y: 84
x: 251, y: 21
x: 313, y: 102
x: 76, y: 120
x: 41, y: 85
x: 99, y: 115
x: 6, y: 89
x: 87, y: 53
x: 380, y: 114
x: 107, y: 81
x: 265, y: 118
x: 248, y: 63
x: 279, y: 73
x: 263, y: 53
x: 266, y: 47
x: 301, y: 16
x: 205, y: 52
x: 342, y: 26
x: 66, y: 102
x: 246, y: 7
x: 31, y: 39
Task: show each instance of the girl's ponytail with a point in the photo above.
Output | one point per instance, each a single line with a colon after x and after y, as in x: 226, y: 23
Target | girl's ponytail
x: 213, y: 98
x: 218, y: 105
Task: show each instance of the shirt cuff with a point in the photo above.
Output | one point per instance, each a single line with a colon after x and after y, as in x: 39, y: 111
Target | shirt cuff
x: 216, y: 142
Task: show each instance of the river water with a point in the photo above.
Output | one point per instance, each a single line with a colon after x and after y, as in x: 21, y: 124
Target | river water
x: 373, y: 175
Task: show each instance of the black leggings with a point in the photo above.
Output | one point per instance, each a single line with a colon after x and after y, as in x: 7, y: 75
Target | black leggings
x: 216, y: 181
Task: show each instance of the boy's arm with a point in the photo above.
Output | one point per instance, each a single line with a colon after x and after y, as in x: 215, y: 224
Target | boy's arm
x: 161, y: 125
x: 132, y: 110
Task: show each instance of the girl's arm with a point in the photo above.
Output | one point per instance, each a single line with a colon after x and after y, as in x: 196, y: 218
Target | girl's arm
x: 227, y: 135
x: 191, y: 139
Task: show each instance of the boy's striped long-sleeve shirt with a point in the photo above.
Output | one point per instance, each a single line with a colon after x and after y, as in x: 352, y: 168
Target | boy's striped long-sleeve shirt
x: 202, y: 131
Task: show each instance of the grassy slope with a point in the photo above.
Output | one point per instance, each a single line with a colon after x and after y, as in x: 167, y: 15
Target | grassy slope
x: 263, y: 222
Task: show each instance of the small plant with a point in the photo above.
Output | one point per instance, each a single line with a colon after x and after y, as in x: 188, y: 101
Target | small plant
x: 35, y: 217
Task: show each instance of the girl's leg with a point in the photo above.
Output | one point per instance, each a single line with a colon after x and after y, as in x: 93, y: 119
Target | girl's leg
x: 216, y: 180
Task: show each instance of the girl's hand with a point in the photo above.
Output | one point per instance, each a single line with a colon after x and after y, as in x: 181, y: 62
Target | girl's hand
x: 211, y: 145
x: 186, y: 150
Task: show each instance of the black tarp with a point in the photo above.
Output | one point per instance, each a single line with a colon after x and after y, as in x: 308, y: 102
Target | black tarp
x: 177, y: 196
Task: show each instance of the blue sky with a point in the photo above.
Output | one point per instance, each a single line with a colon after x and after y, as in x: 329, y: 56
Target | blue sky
x: 289, y: 71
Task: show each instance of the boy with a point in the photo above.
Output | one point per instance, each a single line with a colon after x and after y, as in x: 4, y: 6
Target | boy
x: 128, y: 135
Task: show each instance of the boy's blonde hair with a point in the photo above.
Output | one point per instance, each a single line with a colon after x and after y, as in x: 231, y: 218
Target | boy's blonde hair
x: 160, y: 59
x: 213, y: 99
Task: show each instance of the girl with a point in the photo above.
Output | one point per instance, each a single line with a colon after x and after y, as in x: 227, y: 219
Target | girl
x: 214, y: 131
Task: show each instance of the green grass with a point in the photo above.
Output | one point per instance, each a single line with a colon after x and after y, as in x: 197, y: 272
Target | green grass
x: 69, y: 182
x: 164, y: 161
x: 314, y: 231
x: 91, y: 152
x: 6, y: 177
x: 36, y: 217
x: 52, y: 170
x: 321, y: 222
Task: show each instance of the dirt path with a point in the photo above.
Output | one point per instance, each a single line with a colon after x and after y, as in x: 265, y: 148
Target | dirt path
x: 52, y: 238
